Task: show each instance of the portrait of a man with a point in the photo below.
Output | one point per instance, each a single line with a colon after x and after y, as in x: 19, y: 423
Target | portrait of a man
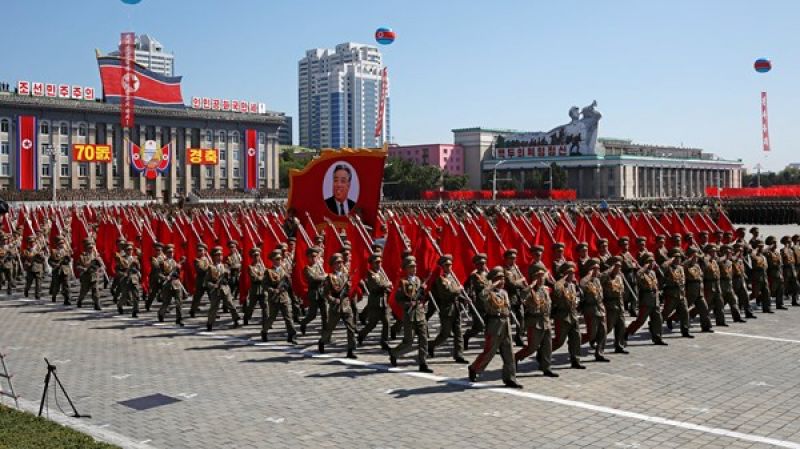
x: 339, y: 202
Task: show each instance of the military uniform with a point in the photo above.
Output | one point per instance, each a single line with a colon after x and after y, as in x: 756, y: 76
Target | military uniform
x: 7, y: 261
x: 377, y: 308
x: 728, y: 294
x: 257, y: 293
x: 130, y: 283
x: 515, y: 283
x: 315, y: 277
x: 201, y: 265
x: 760, y: 288
x: 694, y: 293
x: 33, y: 261
x: 87, y: 267
x: 336, y: 292
x: 565, y: 316
x: 218, y: 284
x: 60, y: 260
x: 674, y: 289
x: 594, y: 311
x: 277, y: 284
x: 116, y: 281
x: 498, y: 334
x: 629, y: 270
x: 740, y: 285
x: 649, y: 303
x: 775, y: 273
x: 171, y: 289
x: 157, y: 279
x: 613, y: 292
x: 409, y: 296
x: 447, y: 291
x: 234, y: 262
x: 790, y: 283
x: 537, y: 306
x: 711, y: 285
x: 476, y: 287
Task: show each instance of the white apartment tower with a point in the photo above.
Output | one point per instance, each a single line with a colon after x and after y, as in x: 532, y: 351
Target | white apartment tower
x: 150, y: 53
x: 339, y: 96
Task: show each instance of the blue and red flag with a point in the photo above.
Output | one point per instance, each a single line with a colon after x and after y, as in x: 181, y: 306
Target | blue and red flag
x: 147, y: 88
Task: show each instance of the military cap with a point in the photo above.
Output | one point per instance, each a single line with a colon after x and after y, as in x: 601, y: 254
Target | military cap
x: 275, y: 254
x: 202, y: 245
x: 282, y: 246
x: 641, y: 239
x: 613, y: 260
x: 785, y: 239
x: 770, y: 240
x: 376, y: 247
x: 375, y: 257
x: 661, y: 237
x: 566, y: 268
x: 406, y: 253
x: 255, y: 252
x: 602, y: 241
x: 582, y: 245
x: 158, y: 245
x: 591, y: 263
x: 170, y: 247
x: 705, y: 233
x: 537, y: 268
x: 691, y: 251
x: 233, y: 243
x: 335, y: 257
x: 675, y: 252
x: 646, y: 259
x: 31, y: 238
x: 688, y: 235
x: 740, y: 229
x: 409, y: 261
x: 719, y: 232
x: 319, y: 238
x: 496, y: 273
x: 758, y: 242
x: 121, y: 240
x: 557, y: 245
x: 478, y: 258
x: 217, y: 251
x: 510, y: 252
x: 725, y: 248
x: 727, y: 234
x: 310, y: 251
x: 346, y: 247
x: 675, y: 236
x: 88, y: 242
x: 59, y: 239
x: 128, y: 245
x: 623, y: 239
x: 537, y: 248
x: 754, y: 229
x: 796, y: 237
x: 292, y: 240
x: 710, y: 247
x: 445, y: 259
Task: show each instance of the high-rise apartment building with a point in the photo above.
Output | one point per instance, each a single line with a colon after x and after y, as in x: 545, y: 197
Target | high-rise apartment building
x: 150, y: 53
x: 339, y: 95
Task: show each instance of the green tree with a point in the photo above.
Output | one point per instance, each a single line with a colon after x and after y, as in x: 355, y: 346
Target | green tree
x: 406, y: 180
x: 287, y: 162
x: 559, y: 176
x: 454, y: 182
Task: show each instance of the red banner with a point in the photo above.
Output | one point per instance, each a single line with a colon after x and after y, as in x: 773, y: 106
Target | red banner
x: 556, y: 194
x: 382, y: 103
x: 129, y: 83
x: 251, y: 160
x: 339, y: 183
x: 91, y: 153
x: 27, y: 154
x: 764, y: 122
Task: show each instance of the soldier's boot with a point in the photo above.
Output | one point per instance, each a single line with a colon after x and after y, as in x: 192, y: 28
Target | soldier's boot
x: 685, y: 334
x: 120, y: 310
x: 303, y: 328
x: 160, y: 317
x: 518, y: 340
x: 350, y: 354
x: 473, y: 375
x: 423, y: 368
x: 549, y: 373
x: 576, y: 364
x: 321, y: 347
x: 512, y: 384
x: 235, y: 324
x: 794, y: 300
x: 431, y: 350
x: 385, y: 345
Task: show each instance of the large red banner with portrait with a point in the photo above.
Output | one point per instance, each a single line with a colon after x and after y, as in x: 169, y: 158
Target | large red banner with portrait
x: 27, y: 153
x: 337, y: 184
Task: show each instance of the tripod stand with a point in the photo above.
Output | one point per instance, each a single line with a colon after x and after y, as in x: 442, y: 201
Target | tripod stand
x: 51, y: 372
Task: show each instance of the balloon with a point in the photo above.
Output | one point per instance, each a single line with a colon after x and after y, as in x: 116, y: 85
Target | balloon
x: 131, y: 2
x: 762, y: 65
x: 384, y: 36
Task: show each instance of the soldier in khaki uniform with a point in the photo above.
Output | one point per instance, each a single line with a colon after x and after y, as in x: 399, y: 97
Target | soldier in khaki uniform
x: 130, y: 283
x: 60, y: 261
x: 447, y: 291
x: 775, y: 272
x: 498, y: 332
x: 726, y: 264
x: 410, y: 295
x: 649, y: 301
x: 201, y: 265
x: 315, y: 276
x: 377, y: 309
x: 87, y: 267
x: 336, y: 291
x: 7, y: 261
x: 629, y: 269
x: 694, y: 289
x: 171, y: 287
x: 674, y: 289
x: 278, y: 288
x: 661, y: 252
x: 711, y: 283
x: 603, y: 254
x: 515, y: 283
x: 582, y: 250
x: 537, y: 306
x: 738, y: 275
x: 234, y: 262
x: 758, y: 271
x: 33, y: 260
x: 613, y: 292
x: 157, y: 278
x: 218, y: 284
x: 558, y: 260
x: 790, y: 284
x: 796, y: 249
x: 565, y: 314
x: 476, y: 286
x: 257, y: 294
x: 593, y: 308
x: 115, y: 283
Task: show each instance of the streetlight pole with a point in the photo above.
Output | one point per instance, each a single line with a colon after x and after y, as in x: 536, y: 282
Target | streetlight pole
x: 494, y: 179
x: 50, y: 150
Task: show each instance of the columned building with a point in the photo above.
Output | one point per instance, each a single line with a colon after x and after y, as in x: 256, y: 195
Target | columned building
x: 63, y: 123
x: 595, y: 168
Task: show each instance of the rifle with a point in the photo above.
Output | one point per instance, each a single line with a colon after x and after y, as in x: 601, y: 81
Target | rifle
x: 466, y: 299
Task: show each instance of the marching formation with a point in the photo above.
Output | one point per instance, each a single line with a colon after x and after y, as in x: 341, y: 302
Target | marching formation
x: 528, y: 281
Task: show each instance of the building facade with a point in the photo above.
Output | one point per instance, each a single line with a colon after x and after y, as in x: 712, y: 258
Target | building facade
x: 63, y: 123
x: 339, y: 95
x: 150, y: 54
x: 285, y: 132
x: 448, y: 157
x: 595, y: 168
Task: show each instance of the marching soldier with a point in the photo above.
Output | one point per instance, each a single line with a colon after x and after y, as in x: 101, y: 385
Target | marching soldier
x: 558, y: 261
x: 775, y: 272
x: 218, y: 284
x: 694, y: 289
x: 629, y: 270
x: 315, y: 276
x: 33, y: 260
x: 791, y: 286
x: 603, y: 254
x: 760, y: 288
x: 728, y: 294
x: 476, y: 286
x: 498, y: 332
x: 234, y: 262
x: 593, y: 308
x: 171, y: 287
x: 796, y: 249
x: 410, y: 294
x: 649, y: 304
x: 379, y: 288
x: 87, y: 268
x: 115, y: 283
x: 641, y: 247
x: 613, y: 292
x: 257, y: 294
x: 447, y: 291
x: 514, y: 284
x: 537, y: 321
x: 130, y: 283
x: 60, y: 260
x: 738, y: 280
x: 7, y: 261
x: 336, y: 291
x: 565, y: 314
x: 674, y: 289
x: 582, y: 249
x: 157, y: 277
x: 711, y: 283
x: 201, y: 265
x: 754, y: 239
x: 278, y: 290
x: 661, y: 252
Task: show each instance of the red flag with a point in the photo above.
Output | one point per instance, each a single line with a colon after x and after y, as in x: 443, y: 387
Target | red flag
x: 299, y: 283
x: 27, y: 164
x: 149, y: 88
x: 251, y: 160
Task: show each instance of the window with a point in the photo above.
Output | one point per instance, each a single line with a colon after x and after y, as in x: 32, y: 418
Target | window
x: 261, y: 138
x: 64, y: 149
x: 233, y: 137
x: 235, y: 172
x: 82, y: 131
x: 3, y: 126
x: 83, y: 169
x: 64, y: 169
x: 64, y: 129
x: 209, y: 172
x: 221, y: 137
x: 44, y: 128
x: 208, y: 136
x: 4, y: 169
x: 45, y: 169
x: 114, y: 169
x: 4, y: 148
x: 235, y: 155
x: 223, y: 172
x: 223, y: 155
x: 262, y: 173
x: 98, y: 169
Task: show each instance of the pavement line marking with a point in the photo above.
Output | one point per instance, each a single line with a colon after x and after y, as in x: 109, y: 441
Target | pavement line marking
x: 759, y: 337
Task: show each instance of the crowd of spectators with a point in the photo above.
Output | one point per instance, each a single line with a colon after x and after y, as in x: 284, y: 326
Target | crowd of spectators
x: 74, y: 195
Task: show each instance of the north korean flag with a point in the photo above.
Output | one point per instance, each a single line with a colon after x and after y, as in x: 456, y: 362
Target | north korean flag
x: 147, y: 87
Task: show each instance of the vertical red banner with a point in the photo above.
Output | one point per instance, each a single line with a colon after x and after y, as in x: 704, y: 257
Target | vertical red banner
x: 382, y: 103
x: 764, y: 122
x: 129, y: 81
x: 27, y: 155
x: 251, y: 160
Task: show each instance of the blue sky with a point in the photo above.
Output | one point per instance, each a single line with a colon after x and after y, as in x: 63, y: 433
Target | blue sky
x: 663, y: 72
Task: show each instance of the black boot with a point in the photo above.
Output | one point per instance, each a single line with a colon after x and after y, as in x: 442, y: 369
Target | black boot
x: 473, y: 376
x: 350, y: 354
x: 430, y: 350
x: 263, y: 335
x: 549, y: 373
x: 686, y: 334
x: 512, y: 384
x: 577, y: 365
x: 321, y: 347
x: 466, y: 342
x: 424, y: 369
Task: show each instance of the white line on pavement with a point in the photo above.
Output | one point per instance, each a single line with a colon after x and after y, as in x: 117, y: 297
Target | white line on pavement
x: 759, y: 337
